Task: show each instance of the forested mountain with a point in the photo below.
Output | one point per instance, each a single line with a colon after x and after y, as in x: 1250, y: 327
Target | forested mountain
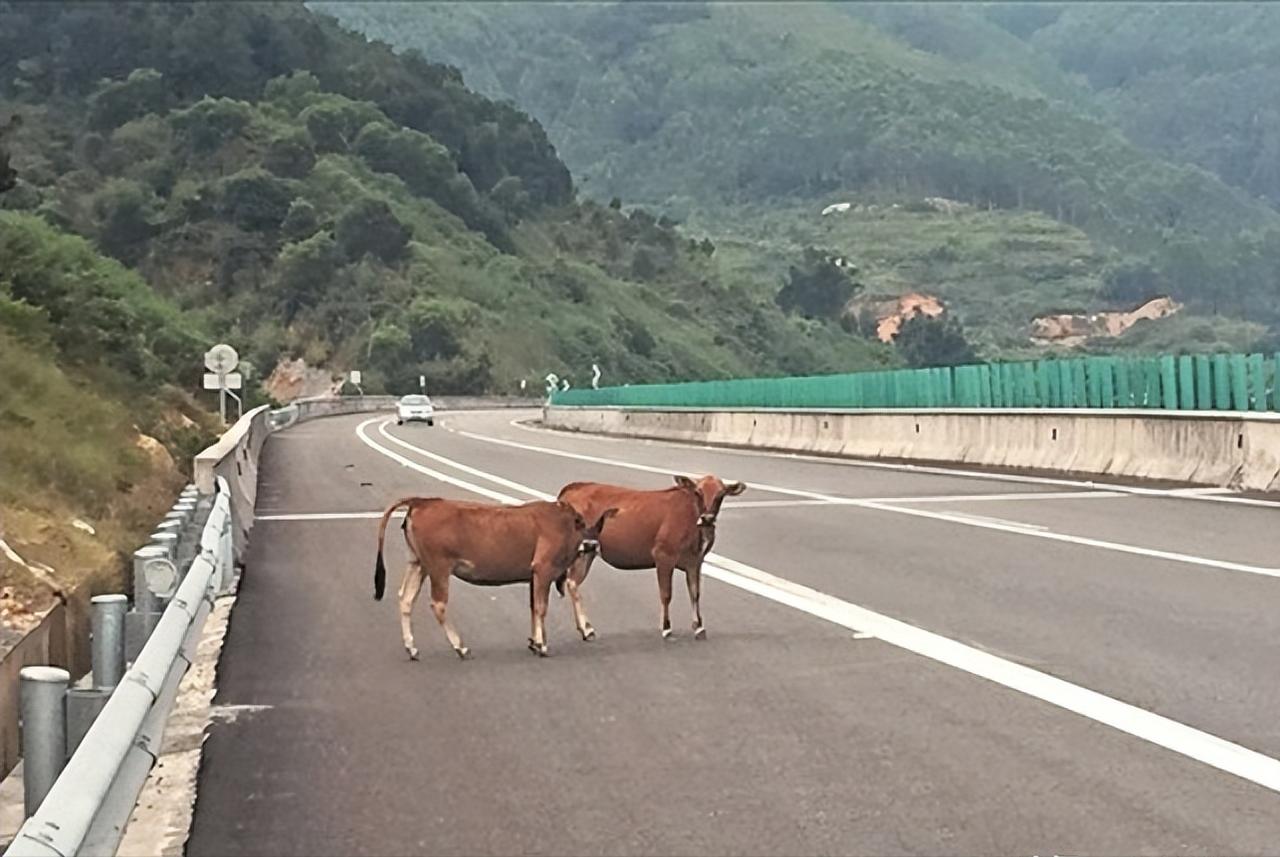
x: 303, y: 192
x: 709, y: 110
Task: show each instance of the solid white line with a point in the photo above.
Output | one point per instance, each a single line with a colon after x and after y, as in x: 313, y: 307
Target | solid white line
x: 1148, y: 726
x: 324, y: 516
x: 1017, y: 529
x: 985, y: 519
x: 1215, y: 495
x: 470, y: 471
x: 942, y: 498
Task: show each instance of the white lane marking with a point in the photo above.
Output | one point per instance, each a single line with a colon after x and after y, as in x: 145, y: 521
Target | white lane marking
x: 1140, y: 723
x: 1215, y: 495
x: 413, y: 465
x: 470, y: 471
x: 953, y: 517
x: 324, y: 516
x: 982, y: 498
x: 989, y: 520
x: 954, y: 498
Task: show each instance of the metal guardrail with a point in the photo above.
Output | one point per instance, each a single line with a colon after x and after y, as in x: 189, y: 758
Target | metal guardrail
x: 85, y: 809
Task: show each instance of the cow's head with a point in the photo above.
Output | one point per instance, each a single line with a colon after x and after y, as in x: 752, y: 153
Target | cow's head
x: 710, y: 492
x: 589, y: 533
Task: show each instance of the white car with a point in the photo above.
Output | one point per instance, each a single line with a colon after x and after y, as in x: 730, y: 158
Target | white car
x: 415, y: 409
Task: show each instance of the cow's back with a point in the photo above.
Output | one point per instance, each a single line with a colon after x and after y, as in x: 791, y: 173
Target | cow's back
x: 499, y: 541
x: 629, y: 537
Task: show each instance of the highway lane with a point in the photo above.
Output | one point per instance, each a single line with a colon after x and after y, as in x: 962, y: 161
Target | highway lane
x: 782, y: 733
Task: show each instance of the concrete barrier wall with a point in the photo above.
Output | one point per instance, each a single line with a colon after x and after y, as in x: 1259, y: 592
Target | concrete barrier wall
x: 1237, y: 450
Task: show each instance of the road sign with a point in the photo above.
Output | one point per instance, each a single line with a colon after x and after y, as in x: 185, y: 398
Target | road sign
x: 355, y: 376
x: 232, y: 381
x: 422, y: 383
x: 221, y: 358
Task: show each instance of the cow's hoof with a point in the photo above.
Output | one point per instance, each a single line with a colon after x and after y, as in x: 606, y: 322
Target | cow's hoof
x: 413, y: 653
x: 463, y: 653
x: 700, y: 633
x: 539, y: 649
x: 666, y: 634
x: 589, y: 634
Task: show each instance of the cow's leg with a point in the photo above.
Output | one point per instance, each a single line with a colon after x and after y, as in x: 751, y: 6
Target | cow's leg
x: 409, y: 589
x: 666, y: 569
x: 577, y: 576
x: 693, y: 577
x: 539, y: 595
x: 439, y: 601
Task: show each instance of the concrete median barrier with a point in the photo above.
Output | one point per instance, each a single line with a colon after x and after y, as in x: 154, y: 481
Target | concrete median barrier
x: 1234, y: 449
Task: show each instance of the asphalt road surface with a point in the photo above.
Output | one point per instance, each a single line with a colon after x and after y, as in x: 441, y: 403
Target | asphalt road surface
x: 899, y: 661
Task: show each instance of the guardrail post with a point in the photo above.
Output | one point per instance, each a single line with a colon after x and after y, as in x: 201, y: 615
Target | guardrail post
x: 146, y: 607
x: 108, y: 639
x: 44, y: 731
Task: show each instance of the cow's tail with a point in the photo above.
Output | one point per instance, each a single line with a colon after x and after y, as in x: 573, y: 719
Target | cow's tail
x: 560, y: 583
x: 379, y: 567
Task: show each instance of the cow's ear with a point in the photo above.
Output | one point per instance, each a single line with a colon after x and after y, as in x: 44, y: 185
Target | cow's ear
x: 686, y: 483
x: 608, y: 513
x: 735, y: 488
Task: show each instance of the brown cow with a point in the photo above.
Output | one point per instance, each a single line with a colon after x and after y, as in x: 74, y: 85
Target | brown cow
x: 485, y: 545
x: 664, y: 530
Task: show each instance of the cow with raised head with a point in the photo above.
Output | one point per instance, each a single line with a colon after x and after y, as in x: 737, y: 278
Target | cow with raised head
x: 486, y: 545
x: 664, y: 530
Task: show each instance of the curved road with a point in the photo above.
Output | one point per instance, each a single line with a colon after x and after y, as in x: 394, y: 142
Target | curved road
x: 900, y: 661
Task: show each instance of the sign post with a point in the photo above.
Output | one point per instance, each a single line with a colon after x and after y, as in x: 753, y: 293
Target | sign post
x: 220, y: 360
x: 355, y: 379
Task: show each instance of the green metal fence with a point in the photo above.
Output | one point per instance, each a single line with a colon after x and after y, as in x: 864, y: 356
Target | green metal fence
x: 1234, y: 382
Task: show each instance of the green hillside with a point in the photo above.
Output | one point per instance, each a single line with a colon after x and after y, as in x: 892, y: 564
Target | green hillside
x: 719, y: 113
x: 1195, y: 83
x: 305, y: 193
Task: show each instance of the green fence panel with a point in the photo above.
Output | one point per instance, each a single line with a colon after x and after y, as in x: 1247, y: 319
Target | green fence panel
x: 1108, y: 383
x: 1204, y: 382
x: 1169, y: 382
x: 1080, y: 384
x: 1186, y: 384
x: 1275, y: 383
x: 1066, y: 387
x: 1093, y: 382
x: 1239, y: 383
x: 1124, y: 392
x: 1221, y: 382
x: 1257, y: 370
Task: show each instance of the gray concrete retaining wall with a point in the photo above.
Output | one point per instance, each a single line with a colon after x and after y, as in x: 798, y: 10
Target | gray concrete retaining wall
x: 1235, y: 450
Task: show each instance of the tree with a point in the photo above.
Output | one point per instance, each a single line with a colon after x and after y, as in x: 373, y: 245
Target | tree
x: 817, y: 287
x: 304, y: 270
x: 256, y: 200
x: 1131, y: 282
x: 926, y: 341
x: 439, y: 326
x: 8, y: 175
x: 117, y: 101
x: 302, y: 221
x: 127, y: 215
x: 370, y: 226
x: 210, y: 122
x: 290, y: 155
